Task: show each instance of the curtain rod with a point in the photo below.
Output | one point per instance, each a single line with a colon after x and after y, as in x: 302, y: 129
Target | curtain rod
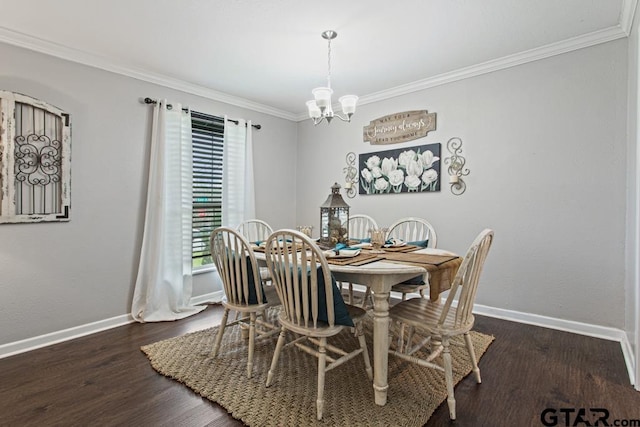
x: 169, y: 106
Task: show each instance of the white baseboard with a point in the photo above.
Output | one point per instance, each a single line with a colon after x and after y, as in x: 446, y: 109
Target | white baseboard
x: 596, y: 331
x: 611, y: 334
x: 22, y: 346
x: 45, y: 340
x: 212, y: 297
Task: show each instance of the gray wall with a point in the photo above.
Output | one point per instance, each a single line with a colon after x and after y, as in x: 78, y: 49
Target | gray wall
x: 60, y: 275
x: 545, y: 142
x: 546, y: 145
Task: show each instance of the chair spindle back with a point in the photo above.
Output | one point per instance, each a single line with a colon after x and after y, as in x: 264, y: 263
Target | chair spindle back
x: 255, y: 230
x: 465, y: 284
x: 293, y: 260
x: 236, y: 264
x: 412, y: 229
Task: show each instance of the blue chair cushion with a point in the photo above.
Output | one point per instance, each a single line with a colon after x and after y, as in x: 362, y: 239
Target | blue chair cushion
x: 418, y: 280
x: 341, y: 314
x: 253, y: 297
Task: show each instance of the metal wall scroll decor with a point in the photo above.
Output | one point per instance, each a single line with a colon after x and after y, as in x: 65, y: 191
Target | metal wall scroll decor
x: 350, y: 175
x: 456, y: 167
x: 35, y: 160
x: 407, y: 170
x: 399, y: 127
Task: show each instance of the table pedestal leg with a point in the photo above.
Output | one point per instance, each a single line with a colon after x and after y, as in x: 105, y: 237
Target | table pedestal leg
x: 380, y: 346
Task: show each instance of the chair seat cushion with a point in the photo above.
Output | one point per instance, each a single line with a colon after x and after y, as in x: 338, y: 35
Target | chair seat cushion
x: 407, y: 288
x: 424, y: 314
x: 355, y: 312
x: 416, y: 281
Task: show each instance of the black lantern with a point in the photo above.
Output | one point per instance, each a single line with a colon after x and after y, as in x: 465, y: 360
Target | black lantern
x: 334, y: 219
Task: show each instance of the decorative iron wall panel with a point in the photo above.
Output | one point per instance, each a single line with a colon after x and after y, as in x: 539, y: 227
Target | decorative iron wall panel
x: 35, y: 164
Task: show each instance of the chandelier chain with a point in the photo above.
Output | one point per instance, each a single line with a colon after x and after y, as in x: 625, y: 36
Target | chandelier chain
x: 329, y: 65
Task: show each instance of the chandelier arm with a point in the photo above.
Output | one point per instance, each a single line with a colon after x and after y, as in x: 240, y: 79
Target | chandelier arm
x: 348, y: 119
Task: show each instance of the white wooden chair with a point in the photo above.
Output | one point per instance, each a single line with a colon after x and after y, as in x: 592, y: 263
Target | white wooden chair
x: 238, y: 269
x: 439, y: 323
x: 255, y: 230
x: 359, y: 227
x: 418, y: 231
x: 312, y: 307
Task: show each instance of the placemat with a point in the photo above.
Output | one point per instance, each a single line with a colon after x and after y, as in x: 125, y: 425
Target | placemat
x: 428, y: 259
x: 360, y: 259
x: 405, y: 248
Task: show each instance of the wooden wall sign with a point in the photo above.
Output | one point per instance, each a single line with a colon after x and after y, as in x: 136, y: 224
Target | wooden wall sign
x: 399, y: 127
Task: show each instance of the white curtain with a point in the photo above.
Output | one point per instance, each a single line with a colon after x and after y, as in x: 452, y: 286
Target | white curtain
x: 164, y: 283
x: 238, y: 194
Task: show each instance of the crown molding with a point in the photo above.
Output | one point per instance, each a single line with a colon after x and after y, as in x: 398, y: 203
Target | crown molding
x: 626, y: 15
x: 602, y: 36
x: 575, y: 43
x: 74, y: 55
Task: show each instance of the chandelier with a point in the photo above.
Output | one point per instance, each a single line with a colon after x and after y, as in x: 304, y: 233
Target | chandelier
x: 320, y: 107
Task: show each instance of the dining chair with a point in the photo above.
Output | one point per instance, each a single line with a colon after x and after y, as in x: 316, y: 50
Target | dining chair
x: 359, y: 229
x: 419, y: 232
x: 440, y: 324
x: 312, y: 307
x: 244, y: 291
x: 255, y: 230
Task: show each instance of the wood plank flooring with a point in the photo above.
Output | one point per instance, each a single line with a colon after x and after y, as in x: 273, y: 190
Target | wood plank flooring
x: 105, y: 380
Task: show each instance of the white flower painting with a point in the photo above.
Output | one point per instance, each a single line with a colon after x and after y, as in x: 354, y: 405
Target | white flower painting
x: 409, y: 170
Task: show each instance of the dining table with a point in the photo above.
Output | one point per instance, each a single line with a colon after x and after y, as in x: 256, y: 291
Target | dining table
x: 380, y: 273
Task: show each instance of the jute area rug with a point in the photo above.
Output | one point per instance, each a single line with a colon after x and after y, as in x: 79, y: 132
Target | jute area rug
x: 414, y: 392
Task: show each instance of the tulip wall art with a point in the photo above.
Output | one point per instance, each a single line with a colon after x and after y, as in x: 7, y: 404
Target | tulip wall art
x: 404, y: 170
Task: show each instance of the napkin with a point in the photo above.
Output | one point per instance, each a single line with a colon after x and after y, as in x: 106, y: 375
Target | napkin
x: 394, y: 242
x: 341, y: 250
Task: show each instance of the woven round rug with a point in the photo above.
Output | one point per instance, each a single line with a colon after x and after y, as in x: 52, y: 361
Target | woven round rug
x: 414, y: 391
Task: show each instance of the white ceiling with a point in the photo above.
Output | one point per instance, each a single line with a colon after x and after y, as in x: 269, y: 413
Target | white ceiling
x: 268, y: 55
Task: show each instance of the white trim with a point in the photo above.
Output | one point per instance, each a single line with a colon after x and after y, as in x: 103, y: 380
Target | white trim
x: 602, y: 36
x: 575, y: 43
x: 629, y: 360
x: 210, y: 298
x: 612, y: 334
x: 633, y: 213
x: 45, y: 340
x: 626, y: 15
x: 580, y: 328
x: 108, y: 64
x: 203, y: 269
x: 596, y: 331
x: 22, y: 346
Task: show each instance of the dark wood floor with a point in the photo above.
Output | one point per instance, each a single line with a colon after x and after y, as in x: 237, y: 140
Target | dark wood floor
x: 105, y: 380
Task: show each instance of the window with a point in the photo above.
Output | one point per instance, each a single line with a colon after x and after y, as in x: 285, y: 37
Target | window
x: 208, y: 137
x: 35, y: 160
